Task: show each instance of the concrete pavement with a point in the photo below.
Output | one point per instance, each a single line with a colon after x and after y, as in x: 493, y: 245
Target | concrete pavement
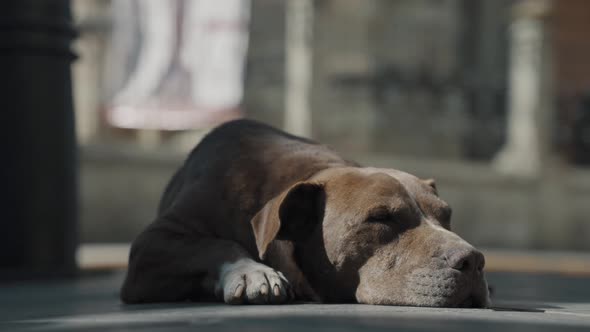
x: 523, y: 302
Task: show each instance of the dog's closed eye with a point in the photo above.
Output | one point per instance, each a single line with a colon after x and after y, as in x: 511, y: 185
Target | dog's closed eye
x: 381, y: 214
x: 401, y: 215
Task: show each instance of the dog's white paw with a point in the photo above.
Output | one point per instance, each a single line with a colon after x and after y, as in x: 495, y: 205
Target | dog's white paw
x: 247, y: 281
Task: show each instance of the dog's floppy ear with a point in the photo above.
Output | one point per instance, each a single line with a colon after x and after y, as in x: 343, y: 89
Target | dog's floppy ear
x: 292, y: 215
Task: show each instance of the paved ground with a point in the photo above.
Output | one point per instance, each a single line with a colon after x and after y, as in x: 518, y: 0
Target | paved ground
x: 522, y: 302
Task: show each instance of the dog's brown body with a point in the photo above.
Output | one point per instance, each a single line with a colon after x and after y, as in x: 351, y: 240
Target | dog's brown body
x: 259, y: 216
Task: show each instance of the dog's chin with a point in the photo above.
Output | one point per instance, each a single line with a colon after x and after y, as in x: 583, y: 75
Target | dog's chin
x: 440, y: 301
x: 447, y: 288
x: 432, y: 296
x: 437, y: 301
x: 433, y: 288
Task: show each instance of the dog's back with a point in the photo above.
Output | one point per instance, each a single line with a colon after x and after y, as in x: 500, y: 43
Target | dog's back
x: 245, y: 156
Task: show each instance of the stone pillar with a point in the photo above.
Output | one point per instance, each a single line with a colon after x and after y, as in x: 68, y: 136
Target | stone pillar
x: 298, y: 44
x: 527, y: 137
x: 92, y: 20
x: 38, y: 172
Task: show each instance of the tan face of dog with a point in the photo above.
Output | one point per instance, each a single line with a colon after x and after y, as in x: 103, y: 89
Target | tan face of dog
x: 383, y: 238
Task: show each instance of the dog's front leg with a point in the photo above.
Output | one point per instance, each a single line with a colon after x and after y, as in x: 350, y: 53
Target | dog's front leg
x: 167, y: 264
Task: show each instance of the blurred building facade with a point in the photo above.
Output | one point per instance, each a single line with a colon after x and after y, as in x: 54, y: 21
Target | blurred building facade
x: 425, y: 86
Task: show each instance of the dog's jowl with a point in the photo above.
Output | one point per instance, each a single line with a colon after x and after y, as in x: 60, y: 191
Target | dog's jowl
x: 258, y: 216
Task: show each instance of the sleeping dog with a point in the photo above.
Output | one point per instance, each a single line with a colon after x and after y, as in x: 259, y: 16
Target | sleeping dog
x: 258, y: 216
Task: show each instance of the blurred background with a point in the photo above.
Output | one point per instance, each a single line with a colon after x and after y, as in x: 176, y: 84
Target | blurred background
x: 490, y: 98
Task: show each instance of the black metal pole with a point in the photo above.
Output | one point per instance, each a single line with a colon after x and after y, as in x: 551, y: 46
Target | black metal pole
x: 38, y: 179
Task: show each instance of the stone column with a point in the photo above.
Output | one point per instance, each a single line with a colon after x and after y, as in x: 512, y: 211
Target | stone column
x: 527, y: 137
x: 93, y: 25
x: 39, y: 171
x: 298, y: 44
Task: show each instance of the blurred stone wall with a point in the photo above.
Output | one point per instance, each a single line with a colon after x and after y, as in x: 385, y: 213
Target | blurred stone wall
x: 416, y: 85
x: 120, y: 191
x: 414, y: 77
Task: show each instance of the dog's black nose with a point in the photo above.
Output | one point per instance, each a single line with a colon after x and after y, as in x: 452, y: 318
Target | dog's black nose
x: 465, y: 259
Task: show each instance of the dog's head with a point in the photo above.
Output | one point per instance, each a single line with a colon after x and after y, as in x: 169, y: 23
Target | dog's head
x: 376, y: 236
